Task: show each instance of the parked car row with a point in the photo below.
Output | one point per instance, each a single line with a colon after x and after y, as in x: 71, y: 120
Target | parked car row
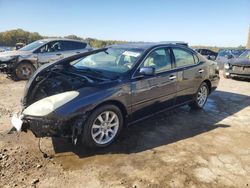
x: 234, y: 63
x: 21, y: 64
x: 89, y: 97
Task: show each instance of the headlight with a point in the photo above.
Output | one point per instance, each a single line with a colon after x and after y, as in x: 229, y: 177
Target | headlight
x: 47, y: 105
x: 227, y: 66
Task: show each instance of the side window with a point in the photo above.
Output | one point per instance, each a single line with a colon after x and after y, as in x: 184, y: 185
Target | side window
x: 160, y: 59
x: 79, y: 45
x: 70, y: 45
x: 51, y: 47
x: 183, y: 58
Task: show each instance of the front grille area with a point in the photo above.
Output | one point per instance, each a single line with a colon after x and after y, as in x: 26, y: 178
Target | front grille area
x: 241, y: 69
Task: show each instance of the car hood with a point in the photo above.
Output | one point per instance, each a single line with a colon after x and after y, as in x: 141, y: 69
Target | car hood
x: 46, y: 68
x: 240, y: 61
x: 14, y: 53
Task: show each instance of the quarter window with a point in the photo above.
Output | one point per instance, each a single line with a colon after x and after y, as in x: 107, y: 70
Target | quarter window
x: 159, y: 59
x: 183, y: 57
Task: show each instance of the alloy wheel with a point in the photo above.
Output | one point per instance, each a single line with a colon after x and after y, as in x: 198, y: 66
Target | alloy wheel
x: 202, y: 95
x: 105, y: 127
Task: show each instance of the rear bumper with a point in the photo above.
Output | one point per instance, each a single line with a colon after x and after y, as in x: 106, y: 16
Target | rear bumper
x: 215, y: 82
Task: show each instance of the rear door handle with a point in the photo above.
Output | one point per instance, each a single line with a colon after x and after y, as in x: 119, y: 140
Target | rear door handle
x: 172, y: 77
x: 58, y: 54
x: 77, y: 52
x: 201, y: 71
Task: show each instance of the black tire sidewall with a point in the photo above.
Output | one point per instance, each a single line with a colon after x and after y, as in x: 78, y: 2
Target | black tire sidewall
x: 87, y: 139
x: 18, y: 66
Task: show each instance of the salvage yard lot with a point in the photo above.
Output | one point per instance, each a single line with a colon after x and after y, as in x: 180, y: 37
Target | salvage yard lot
x: 178, y: 148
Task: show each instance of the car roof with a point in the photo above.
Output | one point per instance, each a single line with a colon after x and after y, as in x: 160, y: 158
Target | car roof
x: 60, y: 39
x: 146, y: 45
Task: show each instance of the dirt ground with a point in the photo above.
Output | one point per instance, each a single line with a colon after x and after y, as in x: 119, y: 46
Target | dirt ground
x: 179, y: 148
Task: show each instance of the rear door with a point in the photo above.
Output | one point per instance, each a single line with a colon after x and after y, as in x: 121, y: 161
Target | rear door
x: 73, y: 47
x: 190, y: 73
x: 154, y: 93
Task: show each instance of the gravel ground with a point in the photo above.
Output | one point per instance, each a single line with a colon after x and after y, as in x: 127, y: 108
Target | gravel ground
x: 179, y: 148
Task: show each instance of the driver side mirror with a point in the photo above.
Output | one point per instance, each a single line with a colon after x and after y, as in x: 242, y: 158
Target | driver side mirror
x: 147, y: 71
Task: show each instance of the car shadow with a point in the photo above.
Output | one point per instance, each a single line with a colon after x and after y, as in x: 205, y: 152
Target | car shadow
x: 167, y: 127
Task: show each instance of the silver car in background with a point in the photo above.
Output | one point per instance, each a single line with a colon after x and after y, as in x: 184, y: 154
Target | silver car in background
x: 21, y: 64
x: 224, y: 56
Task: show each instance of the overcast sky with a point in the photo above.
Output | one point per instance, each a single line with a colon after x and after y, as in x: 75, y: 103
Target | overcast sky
x: 212, y: 22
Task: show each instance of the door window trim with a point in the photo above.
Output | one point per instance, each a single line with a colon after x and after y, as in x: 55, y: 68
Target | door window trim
x: 134, y: 76
x: 191, y: 53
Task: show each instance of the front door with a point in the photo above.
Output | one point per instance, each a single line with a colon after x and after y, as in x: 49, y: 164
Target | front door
x: 50, y: 52
x: 154, y: 93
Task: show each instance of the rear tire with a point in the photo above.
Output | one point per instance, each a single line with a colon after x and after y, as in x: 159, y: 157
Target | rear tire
x: 23, y: 71
x: 102, y: 127
x: 200, y: 97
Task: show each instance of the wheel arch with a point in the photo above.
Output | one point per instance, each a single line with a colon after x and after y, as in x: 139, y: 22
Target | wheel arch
x: 209, y: 84
x: 116, y: 103
x: 25, y: 61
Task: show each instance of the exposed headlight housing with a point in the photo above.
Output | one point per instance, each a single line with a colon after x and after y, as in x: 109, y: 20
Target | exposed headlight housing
x: 47, y: 105
x: 227, y: 66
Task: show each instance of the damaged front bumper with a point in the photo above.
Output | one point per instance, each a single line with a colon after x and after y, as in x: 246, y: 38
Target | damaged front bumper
x: 6, y: 67
x: 238, y: 71
x: 41, y: 127
x: 44, y: 127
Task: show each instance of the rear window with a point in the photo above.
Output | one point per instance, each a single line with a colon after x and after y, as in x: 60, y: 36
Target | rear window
x: 183, y: 57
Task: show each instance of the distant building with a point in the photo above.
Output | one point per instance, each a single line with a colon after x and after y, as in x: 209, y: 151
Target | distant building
x: 248, y: 41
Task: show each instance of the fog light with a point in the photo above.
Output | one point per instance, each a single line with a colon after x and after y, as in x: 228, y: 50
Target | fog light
x: 226, y: 66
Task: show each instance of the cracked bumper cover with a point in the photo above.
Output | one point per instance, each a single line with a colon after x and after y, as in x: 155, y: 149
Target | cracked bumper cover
x: 6, y: 66
x: 41, y: 127
x: 232, y: 73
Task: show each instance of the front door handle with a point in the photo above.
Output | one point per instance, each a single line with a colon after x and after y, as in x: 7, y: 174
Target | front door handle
x: 58, y: 54
x: 201, y: 71
x: 172, y: 77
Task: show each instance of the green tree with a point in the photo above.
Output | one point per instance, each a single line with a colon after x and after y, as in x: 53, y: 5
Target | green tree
x: 11, y: 37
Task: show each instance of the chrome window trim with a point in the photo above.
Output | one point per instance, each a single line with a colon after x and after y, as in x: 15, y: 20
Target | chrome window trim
x: 167, y: 46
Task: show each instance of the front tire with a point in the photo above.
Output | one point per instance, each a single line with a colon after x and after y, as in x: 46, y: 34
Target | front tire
x: 102, y: 127
x: 201, y: 97
x: 23, y: 71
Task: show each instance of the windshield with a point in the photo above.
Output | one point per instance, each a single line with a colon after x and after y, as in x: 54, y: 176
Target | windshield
x: 245, y: 54
x: 112, y: 60
x: 223, y: 53
x: 32, y: 46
